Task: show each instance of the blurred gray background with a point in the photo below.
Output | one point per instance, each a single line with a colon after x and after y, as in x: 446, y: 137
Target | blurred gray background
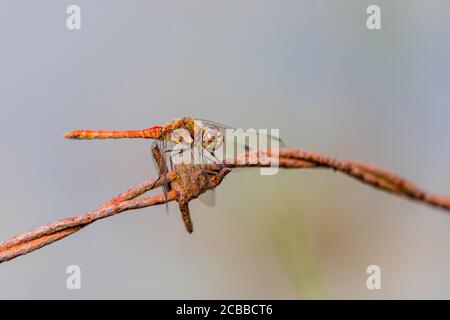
x: 310, y: 68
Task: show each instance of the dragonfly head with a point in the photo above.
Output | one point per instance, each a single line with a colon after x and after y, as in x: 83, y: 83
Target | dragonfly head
x: 212, y: 139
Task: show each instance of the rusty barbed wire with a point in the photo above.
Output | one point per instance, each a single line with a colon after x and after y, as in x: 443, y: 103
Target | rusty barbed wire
x: 185, y: 180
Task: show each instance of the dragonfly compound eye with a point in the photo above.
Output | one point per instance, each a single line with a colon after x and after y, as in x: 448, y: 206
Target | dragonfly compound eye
x: 212, y: 139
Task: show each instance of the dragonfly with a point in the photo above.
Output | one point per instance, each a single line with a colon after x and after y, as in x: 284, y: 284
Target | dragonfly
x: 185, y: 140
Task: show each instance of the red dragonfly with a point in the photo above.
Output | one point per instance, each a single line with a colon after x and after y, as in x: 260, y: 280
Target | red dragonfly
x: 183, y: 140
x: 178, y: 131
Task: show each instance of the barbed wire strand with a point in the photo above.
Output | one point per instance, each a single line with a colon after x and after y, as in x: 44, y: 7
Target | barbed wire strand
x: 289, y: 158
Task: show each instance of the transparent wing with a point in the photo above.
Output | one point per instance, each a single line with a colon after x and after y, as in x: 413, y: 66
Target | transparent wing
x: 208, y: 198
x: 235, y: 141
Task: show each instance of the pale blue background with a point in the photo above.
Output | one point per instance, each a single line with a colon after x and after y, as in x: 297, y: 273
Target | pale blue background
x: 310, y: 68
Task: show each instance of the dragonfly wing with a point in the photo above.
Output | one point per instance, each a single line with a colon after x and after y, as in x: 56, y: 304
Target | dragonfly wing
x: 241, y: 141
x: 208, y: 198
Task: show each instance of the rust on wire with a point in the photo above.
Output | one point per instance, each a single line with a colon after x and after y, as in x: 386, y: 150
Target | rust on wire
x: 188, y: 182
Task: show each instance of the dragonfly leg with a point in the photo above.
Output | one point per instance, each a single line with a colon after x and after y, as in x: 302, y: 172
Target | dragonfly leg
x: 161, y: 167
x: 216, y: 160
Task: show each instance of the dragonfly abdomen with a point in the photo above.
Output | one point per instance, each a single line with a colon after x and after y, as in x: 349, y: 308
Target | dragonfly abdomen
x: 150, y: 133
